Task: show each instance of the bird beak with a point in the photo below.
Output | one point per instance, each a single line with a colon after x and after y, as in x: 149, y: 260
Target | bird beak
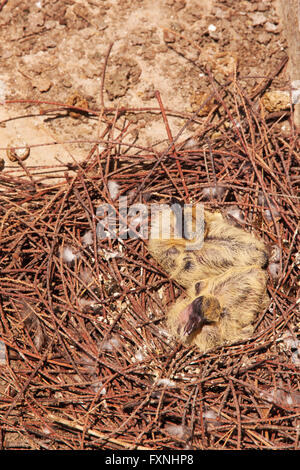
x: 189, y: 320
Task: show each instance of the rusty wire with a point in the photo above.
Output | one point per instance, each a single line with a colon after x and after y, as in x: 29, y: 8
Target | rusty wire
x: 89, y: 363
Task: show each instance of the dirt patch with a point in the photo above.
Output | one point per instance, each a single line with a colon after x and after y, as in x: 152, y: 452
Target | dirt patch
x: 51, y: 50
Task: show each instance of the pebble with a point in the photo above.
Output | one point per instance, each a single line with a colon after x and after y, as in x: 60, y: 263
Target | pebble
x: 42, y: 84
x: 211, y: 28
x: 18, y: 153
x: 221, y: 14
x: 271, y: 27
x: 169, y: 37
x: 177, y: 430
x: 276, y: 100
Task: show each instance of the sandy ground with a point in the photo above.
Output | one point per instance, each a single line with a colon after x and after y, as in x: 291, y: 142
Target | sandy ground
x: 53, y: 50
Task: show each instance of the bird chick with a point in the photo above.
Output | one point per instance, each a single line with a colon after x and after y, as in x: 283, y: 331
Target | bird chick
x: 224, y: 279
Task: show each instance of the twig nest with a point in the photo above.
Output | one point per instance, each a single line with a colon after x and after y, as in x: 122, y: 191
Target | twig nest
x: 2, y: 164
x: 21, y: 151
x: 276, y: 100
x: 211, y: 28
x: 234, y: 215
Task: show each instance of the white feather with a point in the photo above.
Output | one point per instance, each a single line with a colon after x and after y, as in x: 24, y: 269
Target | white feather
x: 114, y: 189
x: 236, y: 213
x: 68, y: 255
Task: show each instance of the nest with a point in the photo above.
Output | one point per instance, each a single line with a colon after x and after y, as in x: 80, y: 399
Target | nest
x: 86, y: 360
